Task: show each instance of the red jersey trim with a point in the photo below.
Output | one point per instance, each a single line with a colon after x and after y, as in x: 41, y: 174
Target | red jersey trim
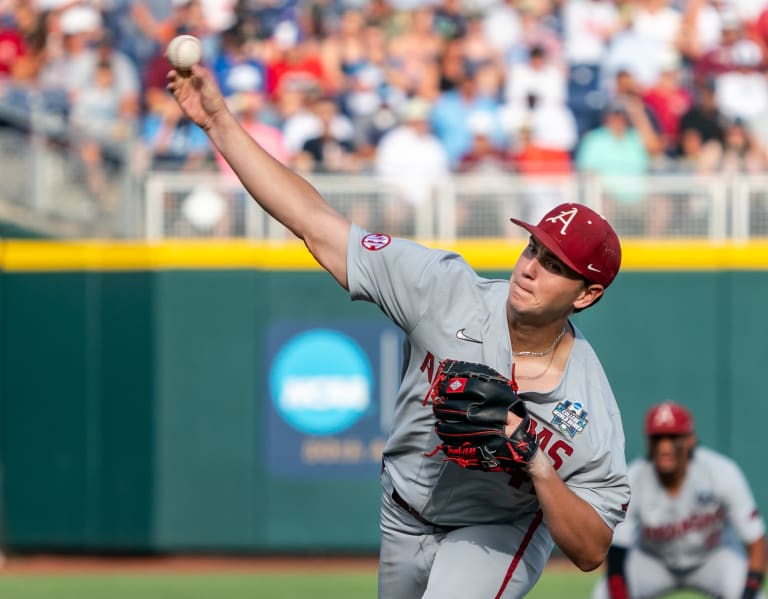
x: 520, y: 550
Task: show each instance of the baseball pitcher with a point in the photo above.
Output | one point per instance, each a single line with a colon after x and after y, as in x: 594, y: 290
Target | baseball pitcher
x: 506, y: 436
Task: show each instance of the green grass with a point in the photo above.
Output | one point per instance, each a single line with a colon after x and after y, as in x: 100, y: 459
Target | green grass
x: 553, y: 585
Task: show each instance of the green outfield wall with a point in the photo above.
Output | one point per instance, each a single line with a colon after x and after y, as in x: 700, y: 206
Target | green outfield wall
x: 151, y: 395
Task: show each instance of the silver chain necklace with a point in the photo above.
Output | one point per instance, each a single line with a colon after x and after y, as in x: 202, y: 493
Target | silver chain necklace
x: 546, y: 352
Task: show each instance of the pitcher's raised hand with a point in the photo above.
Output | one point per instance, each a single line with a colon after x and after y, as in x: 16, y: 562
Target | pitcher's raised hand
x: 198, y: 95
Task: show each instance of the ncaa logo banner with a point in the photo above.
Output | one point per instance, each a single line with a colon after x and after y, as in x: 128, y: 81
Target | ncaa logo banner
x: 325, y: 415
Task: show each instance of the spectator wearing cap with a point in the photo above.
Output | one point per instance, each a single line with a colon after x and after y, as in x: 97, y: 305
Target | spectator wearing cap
x: 410, y: 161
x: 72, y: 68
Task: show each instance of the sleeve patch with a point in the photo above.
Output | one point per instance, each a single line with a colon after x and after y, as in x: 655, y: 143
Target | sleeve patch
x: 376, y: 241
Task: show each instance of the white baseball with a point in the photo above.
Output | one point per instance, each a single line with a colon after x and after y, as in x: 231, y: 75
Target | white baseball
x: 183, y: 51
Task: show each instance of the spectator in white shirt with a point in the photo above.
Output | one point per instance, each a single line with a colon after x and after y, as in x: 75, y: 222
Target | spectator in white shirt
x: 411, y: 162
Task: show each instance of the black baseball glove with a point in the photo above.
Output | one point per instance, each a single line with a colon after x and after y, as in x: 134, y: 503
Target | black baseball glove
x: 471, y: 402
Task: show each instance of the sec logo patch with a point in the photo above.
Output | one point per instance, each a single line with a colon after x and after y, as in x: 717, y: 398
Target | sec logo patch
x: 376, y: 241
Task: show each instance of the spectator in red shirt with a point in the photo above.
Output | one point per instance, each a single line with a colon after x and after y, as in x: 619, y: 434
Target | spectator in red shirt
x: 545, y: 168
x: 669, y: 100
x: 22, y: 43
x: 296, y: 62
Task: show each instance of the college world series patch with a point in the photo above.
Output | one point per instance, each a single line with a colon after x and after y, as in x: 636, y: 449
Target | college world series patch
x: 570, y: 417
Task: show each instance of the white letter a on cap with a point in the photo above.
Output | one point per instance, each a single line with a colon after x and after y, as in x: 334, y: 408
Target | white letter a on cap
x: 565, y: 217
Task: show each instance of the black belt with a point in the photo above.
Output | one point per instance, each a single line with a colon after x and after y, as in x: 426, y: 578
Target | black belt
x: 404, y: 504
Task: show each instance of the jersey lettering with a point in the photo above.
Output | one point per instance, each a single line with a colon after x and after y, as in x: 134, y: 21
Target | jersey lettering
x: 694, y: 522
x: 543, y: 437
x: 555, y: 451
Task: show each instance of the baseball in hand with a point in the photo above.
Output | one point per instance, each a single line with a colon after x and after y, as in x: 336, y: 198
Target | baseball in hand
x: 183, y: 51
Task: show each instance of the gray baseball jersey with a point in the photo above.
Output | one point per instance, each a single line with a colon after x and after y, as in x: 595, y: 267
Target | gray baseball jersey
x: 447, y: 311
x: 693, y: 539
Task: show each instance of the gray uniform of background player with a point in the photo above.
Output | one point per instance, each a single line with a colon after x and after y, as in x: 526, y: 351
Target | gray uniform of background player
x: 490, y: 541
x: 694, y: 539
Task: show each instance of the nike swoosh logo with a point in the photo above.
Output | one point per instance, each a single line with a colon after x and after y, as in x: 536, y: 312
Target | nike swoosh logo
x: 462, y: 336
x: 592, y: 268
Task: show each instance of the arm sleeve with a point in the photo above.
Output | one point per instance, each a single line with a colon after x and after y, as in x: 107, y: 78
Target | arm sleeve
x: 740, y: 503
x: 626, y: 533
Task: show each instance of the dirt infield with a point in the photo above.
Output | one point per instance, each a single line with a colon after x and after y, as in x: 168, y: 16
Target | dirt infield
x: 56, y: 564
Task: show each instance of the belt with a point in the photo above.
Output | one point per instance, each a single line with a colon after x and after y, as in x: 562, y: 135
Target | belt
x: 404, y: 504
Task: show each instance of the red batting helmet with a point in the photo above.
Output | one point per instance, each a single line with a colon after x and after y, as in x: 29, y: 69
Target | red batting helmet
x: 668, y: 418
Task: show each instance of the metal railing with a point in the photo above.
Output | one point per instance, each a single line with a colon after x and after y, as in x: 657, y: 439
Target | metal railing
x: 466, y: 206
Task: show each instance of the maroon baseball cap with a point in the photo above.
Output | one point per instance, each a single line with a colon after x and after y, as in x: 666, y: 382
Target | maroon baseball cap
x: 668, y: 418
x: 582, y: 239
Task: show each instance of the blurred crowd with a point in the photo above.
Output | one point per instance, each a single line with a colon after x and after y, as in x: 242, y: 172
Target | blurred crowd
x: 410, y: 90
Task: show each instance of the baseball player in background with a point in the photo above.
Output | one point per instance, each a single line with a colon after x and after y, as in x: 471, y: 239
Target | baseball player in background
x: 692, y: 523
x: 448, y: 531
